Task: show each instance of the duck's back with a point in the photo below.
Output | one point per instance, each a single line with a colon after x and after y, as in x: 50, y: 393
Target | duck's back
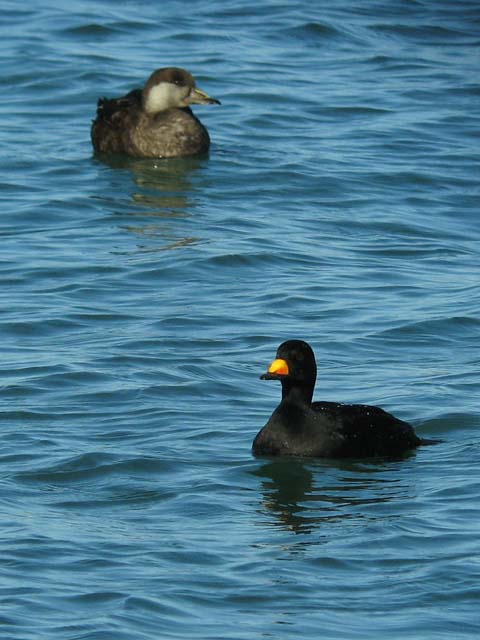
x: 116, y: 119
x: 367, y: 431
x: 334, y: 430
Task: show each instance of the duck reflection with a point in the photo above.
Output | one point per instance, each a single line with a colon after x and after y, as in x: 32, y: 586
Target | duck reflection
x: 285, y: 485
x: 302, y: 495
x: 165, y: 191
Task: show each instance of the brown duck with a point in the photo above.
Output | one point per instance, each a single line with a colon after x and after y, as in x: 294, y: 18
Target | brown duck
x: 156, y: 121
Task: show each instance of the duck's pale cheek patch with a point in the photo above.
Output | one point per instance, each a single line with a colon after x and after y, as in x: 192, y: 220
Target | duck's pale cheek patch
x: 163, y: 96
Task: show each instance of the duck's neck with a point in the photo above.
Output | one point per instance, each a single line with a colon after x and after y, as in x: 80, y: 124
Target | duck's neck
x: 293, y: 391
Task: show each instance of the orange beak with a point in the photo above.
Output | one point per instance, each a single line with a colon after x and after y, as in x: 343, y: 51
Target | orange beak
x: 279, y: 366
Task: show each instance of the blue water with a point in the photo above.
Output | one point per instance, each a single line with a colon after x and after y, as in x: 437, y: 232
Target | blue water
x: 141, y: 300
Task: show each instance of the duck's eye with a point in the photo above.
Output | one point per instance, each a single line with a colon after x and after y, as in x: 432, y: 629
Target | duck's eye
x: 298, y: 356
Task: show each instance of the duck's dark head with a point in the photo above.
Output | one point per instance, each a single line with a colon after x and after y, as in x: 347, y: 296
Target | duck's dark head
x: 296, y: 369
x: 172, y: 87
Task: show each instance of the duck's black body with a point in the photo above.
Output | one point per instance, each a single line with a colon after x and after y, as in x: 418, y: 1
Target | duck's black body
x: 301, y: 427
x: 154, y: 122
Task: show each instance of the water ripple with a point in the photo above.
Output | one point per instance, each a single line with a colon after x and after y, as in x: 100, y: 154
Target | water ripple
x: 142, y: 300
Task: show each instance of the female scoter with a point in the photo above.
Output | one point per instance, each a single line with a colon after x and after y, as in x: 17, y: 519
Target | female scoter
x: 154, y: 122
x: 301, y: 427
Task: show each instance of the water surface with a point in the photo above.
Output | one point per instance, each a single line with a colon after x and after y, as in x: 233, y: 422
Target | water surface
x: 141, y: 300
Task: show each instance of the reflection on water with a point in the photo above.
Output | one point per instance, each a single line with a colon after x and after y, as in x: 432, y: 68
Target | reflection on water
x: 301, y: 495
x: 154, y: 231
x: 285, y: 485
x: 166, y: 191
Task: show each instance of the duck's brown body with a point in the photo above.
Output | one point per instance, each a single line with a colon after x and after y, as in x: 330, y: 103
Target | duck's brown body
x: 121, y: 126
x: 154, y: 122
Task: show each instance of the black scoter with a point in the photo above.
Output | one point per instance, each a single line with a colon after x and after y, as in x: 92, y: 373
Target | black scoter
x: 154, y: 122
x: 300, y: 427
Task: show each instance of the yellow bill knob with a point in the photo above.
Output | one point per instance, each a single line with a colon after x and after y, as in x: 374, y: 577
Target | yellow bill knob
x: 279, y: 367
